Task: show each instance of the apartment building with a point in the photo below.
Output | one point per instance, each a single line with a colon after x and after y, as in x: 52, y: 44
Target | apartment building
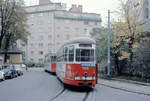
x: 141, y: 8
x: 50, y: 25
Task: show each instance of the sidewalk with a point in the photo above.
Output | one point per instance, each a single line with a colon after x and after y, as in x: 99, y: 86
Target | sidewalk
x: 126, y: 86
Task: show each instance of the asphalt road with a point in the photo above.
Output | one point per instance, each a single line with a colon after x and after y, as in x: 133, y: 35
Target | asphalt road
x: 36, y: 85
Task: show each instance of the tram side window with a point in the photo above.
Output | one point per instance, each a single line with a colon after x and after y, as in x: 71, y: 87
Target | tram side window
x: 85, y: 55
x: 53, y: 58
x: 65, y: 53
x: 71, y: 53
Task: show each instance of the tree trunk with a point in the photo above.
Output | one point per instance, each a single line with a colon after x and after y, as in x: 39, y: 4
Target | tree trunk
x: 7, y: 47
x: 5, y: 57
x: 131, y: 55
x: 119, y: 70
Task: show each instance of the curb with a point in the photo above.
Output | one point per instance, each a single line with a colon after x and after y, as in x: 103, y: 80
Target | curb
x: 131, y: 81
x: 126, y: 90
x: 127, y: 81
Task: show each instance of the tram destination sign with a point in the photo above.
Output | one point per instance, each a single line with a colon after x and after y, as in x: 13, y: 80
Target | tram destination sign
x: 88, y: 65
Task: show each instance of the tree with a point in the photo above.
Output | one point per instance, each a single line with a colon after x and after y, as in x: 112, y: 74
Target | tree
x: 128, y: 30
x: 13, y: 24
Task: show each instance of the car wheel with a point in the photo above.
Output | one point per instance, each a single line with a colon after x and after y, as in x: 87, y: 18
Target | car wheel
x: 12, y: 76
x: 16, y: 75
x: 3, y: 78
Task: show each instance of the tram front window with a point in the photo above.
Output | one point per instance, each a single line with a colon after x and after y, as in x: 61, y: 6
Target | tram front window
x: 85, y: 55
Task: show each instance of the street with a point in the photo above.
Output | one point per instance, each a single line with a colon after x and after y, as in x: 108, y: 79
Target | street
x: 37, y: 85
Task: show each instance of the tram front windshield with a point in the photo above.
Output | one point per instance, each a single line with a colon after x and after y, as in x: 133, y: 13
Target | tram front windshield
x: 85, y: 55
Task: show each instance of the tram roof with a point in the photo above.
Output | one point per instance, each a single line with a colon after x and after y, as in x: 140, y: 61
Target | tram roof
x: 84, y: 40
x: 51, y: 54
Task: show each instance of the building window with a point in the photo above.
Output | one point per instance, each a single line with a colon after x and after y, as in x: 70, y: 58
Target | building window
x: 41, y: 14
x: 32, y: 15
x: 40, y: 45
x: 49, y: 44
x: 76, y: 29
x: 49, y: 22
x: 41, y: 37
x: 31, y: 59
x: 58, y: 43
x: 23, y: 44
x: 85, y: 30
x: 58, y: 35
x: 31, y: 44
x: 146, y: 13
x: 67, y: 29
x: 96, y: 23
x: 40, y: 60
x: 67, y: 21
x: 68, y: 37
x: 41, y: 52
x: 86, y: 22
x: 32, y: 52
x: 58, y: 27
x: 49, y: 36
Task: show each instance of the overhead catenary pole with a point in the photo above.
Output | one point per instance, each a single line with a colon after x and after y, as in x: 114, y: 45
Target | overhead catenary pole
x: 108, y: 61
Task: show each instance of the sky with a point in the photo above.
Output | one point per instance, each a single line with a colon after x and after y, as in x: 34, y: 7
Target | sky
x: 90, y: 6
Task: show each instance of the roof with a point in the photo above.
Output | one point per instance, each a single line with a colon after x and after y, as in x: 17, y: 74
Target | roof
x: 11, y: 52
x: 83, y: 40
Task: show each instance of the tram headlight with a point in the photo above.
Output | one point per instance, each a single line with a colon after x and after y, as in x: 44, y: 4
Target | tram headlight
x: 83, y: 78
x: 89, y: 78
x: 77, y: 78
x: 93, y: 78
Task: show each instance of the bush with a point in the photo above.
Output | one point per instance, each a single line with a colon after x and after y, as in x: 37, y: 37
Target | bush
x: 33, y: 64
x: 39, y: 65
x: 30, y: 64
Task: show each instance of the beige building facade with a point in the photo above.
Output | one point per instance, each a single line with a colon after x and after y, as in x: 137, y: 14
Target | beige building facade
x: 51, y: 25
x: 141, y: 8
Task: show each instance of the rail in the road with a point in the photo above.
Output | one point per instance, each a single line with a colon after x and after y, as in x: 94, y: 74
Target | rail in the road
x: 86, y: 96
x: 89, y: 93
x: 57, y: 95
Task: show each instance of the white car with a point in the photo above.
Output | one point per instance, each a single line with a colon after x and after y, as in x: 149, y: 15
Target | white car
x: 23, y: 66
x: 19, y: 70
x: 2, y: 77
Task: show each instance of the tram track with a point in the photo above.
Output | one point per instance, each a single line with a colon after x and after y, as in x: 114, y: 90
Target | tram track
x: 86, y: 96
x: 90, y: 95
x: 58, y: 94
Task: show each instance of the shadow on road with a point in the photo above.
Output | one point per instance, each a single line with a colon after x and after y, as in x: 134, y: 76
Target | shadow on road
x: 78, y: 89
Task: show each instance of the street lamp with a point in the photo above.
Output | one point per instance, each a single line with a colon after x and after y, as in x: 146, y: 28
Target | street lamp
x: 108, y: 61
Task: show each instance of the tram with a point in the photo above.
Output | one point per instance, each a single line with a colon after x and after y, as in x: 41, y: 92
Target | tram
x: 76, y: 62
x: 50, y: 63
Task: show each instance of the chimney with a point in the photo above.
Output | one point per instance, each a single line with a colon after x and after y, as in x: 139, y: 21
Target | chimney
x: 42, y: 2
x: 80, y: 8
x: 76, y: 9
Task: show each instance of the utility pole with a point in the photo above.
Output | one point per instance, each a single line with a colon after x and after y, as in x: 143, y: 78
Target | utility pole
x: 108, y: 62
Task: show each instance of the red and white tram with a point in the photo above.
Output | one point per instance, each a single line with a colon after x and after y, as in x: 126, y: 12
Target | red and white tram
x: 50, y: 63
x: 76, y: 62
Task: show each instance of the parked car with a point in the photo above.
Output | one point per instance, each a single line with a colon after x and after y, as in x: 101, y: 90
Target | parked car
x: 10, y: 71
x: 2, y: 77
x: 19, y: 70
x: 23, y: 66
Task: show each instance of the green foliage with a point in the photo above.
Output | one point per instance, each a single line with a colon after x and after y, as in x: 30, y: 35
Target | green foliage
x: 102, y: 45
x: 102, y: 48
x: 13, y: 26
x: 130, y: 54
x: 39, y: 65
x: 141, y: 61
x: 33, y: 64
x: 30, y: 64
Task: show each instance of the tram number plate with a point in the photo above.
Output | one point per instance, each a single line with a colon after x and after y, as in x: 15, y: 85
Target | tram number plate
x: 85, y: 68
